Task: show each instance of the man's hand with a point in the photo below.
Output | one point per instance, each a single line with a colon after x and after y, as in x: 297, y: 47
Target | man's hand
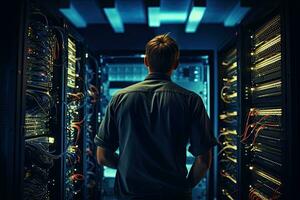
x: 200, y: 166
x: 107, y: 158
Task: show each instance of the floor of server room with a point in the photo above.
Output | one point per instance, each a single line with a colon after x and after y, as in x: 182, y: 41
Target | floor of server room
x: 72, y: 56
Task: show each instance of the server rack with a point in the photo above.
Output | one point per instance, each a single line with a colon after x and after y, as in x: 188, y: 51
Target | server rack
x: 229, y: 133
x: 47, y: 48
x: 41, y: 110
x: 264, y: 117
x: 82, y: 94
x: 74, y: 121
x: 291, y: 33
x: 92, y: 170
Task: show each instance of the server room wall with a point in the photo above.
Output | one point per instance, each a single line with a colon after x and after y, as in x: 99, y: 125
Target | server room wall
x: 54, y: 78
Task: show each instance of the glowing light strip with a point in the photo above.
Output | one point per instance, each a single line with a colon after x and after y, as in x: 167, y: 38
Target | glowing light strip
x: 114, y: 19
x: 274, y: 111
x: 267, y: 176
x: 227, y: 194
x: 194, y: 19
x: 267, y: 86
x: 233, y: 66
x: 233, y: 79
x: 172, y: 17
x: 267, y: 26
x: 236, y: 15
x: 154, y: 16
x: 268, y: 44
x: 233, y: 95
x: 228, y: 114
x: 226, y: 131
x: 232, y: 159
x: 229, y: 177
x: 267, y: 61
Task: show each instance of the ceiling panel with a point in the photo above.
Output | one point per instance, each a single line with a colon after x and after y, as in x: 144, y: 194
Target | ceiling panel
x: 218, y: 10
x: 90, y: 11
x: 134, y: 11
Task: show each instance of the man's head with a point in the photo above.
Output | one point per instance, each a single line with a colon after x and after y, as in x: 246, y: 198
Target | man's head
x: 162, y: 54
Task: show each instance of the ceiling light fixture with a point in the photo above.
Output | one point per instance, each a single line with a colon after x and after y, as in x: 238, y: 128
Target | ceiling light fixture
x: 173, y: 17
x: 236, y: 15
x: 195, y: 16
x: 71, y: 13
x: 113, y: 15
x: 153, y: 8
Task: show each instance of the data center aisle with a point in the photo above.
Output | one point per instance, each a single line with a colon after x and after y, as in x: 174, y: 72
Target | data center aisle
x: 63, y: 62
x: 120, y: 71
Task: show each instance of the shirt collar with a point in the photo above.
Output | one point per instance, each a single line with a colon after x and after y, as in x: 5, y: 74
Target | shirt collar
x: 158, y: 76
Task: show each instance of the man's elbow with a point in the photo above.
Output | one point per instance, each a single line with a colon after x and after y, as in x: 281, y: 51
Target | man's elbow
x: 206, y: 159
x: 101, y: 156
x: 101, y: 161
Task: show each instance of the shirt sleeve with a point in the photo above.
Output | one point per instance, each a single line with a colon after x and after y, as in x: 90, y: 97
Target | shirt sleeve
x: 201, y: 136
x: 107, y: 136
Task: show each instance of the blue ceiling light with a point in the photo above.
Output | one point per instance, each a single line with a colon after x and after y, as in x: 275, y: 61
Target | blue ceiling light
x: 153, y: 8
x: 113, y: 15
x: 236, y: 15
x: 173, y: 17
x: 196, y: 15
x: 73, y: 15
x: 114, y: 19
x: 153, y: 16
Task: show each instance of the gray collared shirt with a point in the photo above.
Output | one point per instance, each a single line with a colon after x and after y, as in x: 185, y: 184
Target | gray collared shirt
x: 151, y: 123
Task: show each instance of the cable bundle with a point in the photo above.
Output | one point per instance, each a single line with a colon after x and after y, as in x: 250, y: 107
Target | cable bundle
x: 41, y: 51
x: 38, y: 161
x: 41, y: 47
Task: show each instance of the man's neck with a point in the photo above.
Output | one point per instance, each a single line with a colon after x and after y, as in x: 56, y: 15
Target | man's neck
x: 167, y: 73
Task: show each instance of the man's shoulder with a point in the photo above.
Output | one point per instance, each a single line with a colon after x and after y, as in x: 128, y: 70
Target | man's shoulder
x: 179, y: 89
x: 137, y: 87
x: 146, y: 87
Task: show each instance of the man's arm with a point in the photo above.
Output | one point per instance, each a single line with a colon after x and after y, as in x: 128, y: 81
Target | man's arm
x: 200, y: 166
x: 107, y: 158
x: 107, y: 138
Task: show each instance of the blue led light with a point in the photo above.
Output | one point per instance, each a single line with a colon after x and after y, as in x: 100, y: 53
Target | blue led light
x: 154, y: 16
x: 114, y: 19
x: 74, y: 17
x: 173, y: 17
x: 236, y: 15
x: 194, y: 19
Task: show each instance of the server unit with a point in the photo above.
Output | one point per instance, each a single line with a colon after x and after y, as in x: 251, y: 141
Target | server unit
x: 264, y: 134
x: 229, y: 111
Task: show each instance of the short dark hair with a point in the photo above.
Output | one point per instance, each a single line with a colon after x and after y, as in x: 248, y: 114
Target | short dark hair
x: 162, y: 52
